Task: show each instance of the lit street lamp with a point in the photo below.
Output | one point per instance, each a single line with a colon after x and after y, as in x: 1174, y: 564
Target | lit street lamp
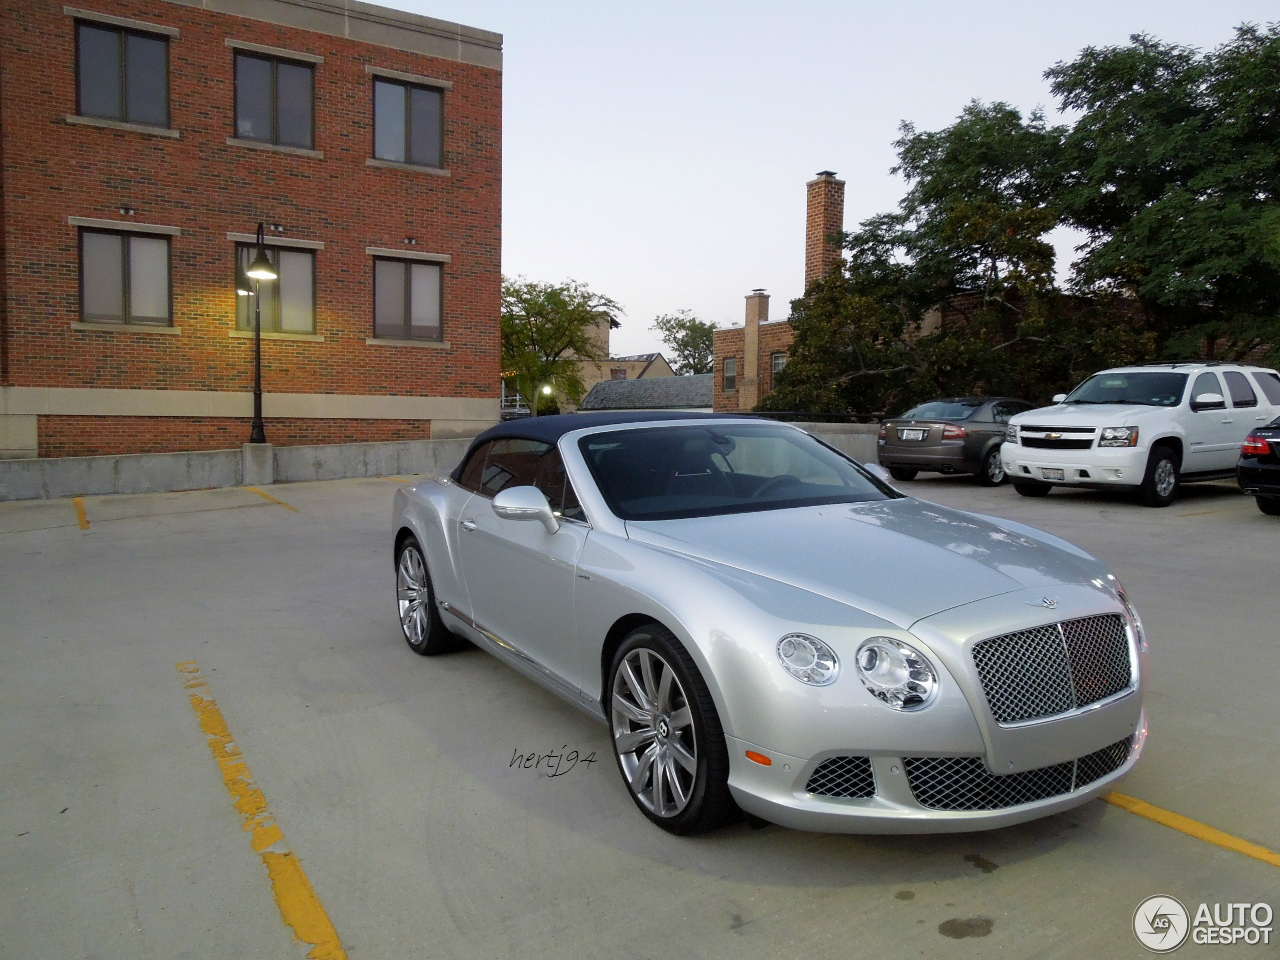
x: 545, y: 390
x: 258, y: 271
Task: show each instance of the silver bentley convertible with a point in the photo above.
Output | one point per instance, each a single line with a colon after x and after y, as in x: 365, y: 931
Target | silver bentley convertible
x: 766, y: 624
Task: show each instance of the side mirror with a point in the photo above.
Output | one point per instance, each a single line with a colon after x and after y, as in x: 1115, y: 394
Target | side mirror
x: 1059, y: 397
x: 525, y: 503
x: 1209, y: 401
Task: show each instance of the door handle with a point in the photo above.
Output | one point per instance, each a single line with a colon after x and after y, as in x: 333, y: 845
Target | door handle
x: 1228, y: 421
x: 468, y: 524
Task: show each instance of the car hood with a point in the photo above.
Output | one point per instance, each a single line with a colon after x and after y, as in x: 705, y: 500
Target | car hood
x: 1087, y: 414
x: 899, y: 560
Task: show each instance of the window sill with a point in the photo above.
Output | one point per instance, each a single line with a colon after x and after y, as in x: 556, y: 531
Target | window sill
x: 104, y: 123
x: 411, y: 167
x: 273, y: 335
x: 389, y: 342
x: 274, y: 147
x: 125, y: 327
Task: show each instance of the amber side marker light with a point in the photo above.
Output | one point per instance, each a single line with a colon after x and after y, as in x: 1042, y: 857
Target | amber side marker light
x: 759, y: 758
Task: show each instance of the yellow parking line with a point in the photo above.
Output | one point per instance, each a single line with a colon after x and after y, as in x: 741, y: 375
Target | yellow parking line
x: 300, y: 908
x: 1205, y: 513
x: 266, y: 496
x: 82, y: 518
x: 1193, y: 828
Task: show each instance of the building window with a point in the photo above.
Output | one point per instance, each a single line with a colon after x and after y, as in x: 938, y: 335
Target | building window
x: 124, y: 278
x: 408, y: 123
x: 776, y: 362
x: 288, y: 302
x: 406, y: 300
x: 122, y: 75
x: 618, y: 373
x: 730, y: 374
x: 274, y: 101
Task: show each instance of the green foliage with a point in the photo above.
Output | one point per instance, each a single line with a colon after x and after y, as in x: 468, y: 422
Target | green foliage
x: 547, y: 329
x: 1171, y: 170
x: 690, y: 340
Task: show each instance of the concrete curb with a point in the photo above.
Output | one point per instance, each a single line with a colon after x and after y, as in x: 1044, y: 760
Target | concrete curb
x: 53, y: 477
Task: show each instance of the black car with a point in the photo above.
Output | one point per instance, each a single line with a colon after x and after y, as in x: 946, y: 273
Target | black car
x: 949, y: 435
x: 1258, y: 470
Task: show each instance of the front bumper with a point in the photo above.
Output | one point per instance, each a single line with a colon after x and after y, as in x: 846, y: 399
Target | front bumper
x: 777, y: 793
x: 1096, y: 467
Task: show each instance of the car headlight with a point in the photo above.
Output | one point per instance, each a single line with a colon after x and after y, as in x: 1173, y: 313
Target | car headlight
x: 896, y: 673
x: 1118, y: 437
x: 1011, y: 434
x: 808, y: 659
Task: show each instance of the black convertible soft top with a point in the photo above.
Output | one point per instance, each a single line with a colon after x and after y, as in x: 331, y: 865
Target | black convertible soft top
x: 551, y: 429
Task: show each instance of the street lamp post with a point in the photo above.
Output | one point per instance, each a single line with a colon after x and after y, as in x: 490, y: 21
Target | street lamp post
x: 545, y: 391
x: 261, y: 269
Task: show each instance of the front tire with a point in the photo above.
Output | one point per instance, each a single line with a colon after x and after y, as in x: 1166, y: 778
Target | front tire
x: 1269, y: 505
x: 991, y: 473
x: 666, y: 734
x: 902, y: 473
x: 420, y: 621
x: 1032, y: 488
x: 1160, y: 483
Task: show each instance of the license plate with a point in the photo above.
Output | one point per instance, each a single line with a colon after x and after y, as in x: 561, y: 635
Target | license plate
x: 910, y: 434
x: 1050, y: 474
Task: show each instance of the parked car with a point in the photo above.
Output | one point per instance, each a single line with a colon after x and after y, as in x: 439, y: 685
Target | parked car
x: 764, y: 623
x: 949, y: 435
x: 1146, y: 428
x: 1258, y: 471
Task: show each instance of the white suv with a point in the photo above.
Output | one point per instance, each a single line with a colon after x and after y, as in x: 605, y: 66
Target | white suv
x: 1148, y: 428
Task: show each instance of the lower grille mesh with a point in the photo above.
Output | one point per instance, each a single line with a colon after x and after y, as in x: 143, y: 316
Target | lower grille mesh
x: 843, y: 777
x: 965, y: 783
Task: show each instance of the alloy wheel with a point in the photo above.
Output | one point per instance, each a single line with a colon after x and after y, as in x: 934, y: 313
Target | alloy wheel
x: 995, y: 468
x: 413, y: 596
x: 653, y: 733
x: 1165, y: 478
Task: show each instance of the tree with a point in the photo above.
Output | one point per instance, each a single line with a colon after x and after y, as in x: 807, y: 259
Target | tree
x: 548, y: 330
x: 1173, y: 172
x: 691, y: 341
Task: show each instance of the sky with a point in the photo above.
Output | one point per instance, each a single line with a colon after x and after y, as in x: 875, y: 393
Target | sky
x: 658, y: 152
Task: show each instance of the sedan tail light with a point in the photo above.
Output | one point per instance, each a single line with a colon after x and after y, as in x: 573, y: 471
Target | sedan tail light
x: 1255, y: 447
x: 952, y: 432
x: 884, y: 432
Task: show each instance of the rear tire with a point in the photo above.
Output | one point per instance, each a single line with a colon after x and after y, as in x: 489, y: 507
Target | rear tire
x: 991, y: 473
x: 902, y: 473
x: 666, y: 734
x: 1269, y: 505
x: 1032, y: 488
x: 420, y: 621
x: 1160, y: 482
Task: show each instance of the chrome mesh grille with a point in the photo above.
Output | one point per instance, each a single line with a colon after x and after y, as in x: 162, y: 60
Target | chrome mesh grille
x: 1025, y: 674
x: 965, y: 783
x: 843, y: 777
x: 1052, y: 669
x: 1098, y: 651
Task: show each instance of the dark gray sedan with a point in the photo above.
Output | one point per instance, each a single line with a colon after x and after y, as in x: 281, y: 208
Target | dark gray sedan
x: 949, y: 435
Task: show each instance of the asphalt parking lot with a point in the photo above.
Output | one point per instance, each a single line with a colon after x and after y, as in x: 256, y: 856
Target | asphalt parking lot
x: 389, y: 776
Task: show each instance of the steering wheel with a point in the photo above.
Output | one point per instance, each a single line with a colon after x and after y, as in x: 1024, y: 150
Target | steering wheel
x: 774, y: 483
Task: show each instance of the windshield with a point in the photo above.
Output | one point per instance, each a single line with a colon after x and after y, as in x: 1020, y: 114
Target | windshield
x: 668, y: 473
x: 943, y: 410
x: 1147, y: 389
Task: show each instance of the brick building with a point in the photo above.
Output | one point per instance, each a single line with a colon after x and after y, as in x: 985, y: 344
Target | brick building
x: 142, y: 141
x: 747, y: 358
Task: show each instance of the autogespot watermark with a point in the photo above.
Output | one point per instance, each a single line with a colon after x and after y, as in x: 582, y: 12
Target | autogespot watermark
x: 1162, y: 924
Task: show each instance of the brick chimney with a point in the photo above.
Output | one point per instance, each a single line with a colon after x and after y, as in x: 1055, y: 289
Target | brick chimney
x: 825, y: 217
x: 749, y: 377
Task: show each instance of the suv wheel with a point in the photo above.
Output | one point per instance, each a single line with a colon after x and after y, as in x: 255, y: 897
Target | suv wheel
x: 991, y: 473
x: 1032, y: 488
x: 1269, y: 505
x: 1160, y: 484
x: 902, y: 473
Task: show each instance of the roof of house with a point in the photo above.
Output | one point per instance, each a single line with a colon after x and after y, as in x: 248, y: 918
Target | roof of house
x: 656, y: 393
x: 635, y: 358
